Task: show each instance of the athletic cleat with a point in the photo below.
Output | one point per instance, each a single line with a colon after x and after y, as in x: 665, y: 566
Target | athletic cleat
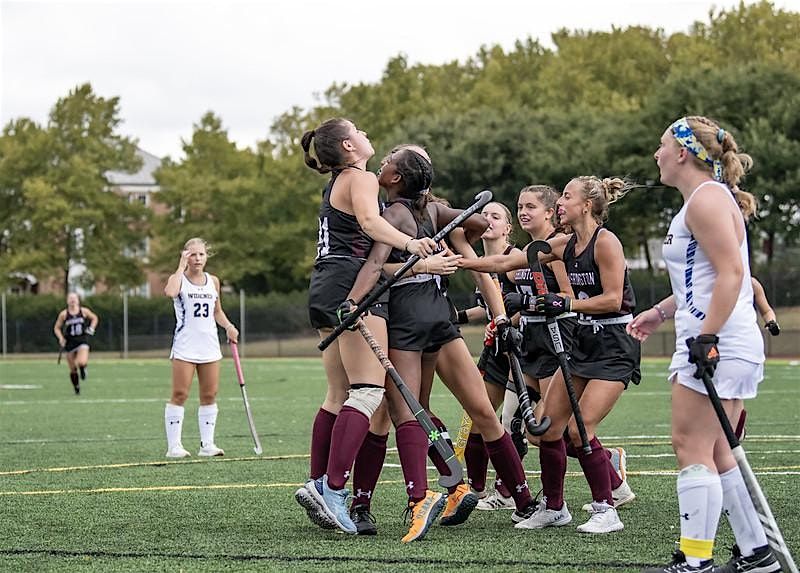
x: 178, y: 451
x: 521, y: 515
x: 623, y: 495
x: 460, y: 504
x: 364, y: 520
x: 82, y: 370
x: 423, y: 514
x: 761, y: 561
x: 619, y: 459
x: 316, y: 513
x: 77, y: 388
x: 679, y: 565
x: 494, y: 501
x: 604, y: 519
x: 334, y: 504
x: 543, y: 517
x: 210, y: 451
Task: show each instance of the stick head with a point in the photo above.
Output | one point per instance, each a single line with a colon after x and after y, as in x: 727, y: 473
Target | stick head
x: 534, y: 249
x: 482, y: 198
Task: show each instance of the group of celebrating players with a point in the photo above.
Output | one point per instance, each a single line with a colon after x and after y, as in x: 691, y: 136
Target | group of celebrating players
x: 362, y: 241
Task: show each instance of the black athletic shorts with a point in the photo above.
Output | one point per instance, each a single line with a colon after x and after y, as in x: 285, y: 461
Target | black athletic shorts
x: 74, y: 343
x: 331, y: 281
x: 607, y: 353
x: 494, y: 367
x: 539, y: 358
x: 419, y: 317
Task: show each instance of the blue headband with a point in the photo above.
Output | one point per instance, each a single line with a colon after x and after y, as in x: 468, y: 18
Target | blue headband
x: 686, y: 138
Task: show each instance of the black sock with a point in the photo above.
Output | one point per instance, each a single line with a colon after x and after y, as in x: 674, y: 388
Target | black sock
x: 83, y: 372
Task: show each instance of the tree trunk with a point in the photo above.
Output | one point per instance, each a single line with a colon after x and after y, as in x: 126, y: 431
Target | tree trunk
x: 650, y: 268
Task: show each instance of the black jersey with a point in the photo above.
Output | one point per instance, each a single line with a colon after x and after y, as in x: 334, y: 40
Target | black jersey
x: 340, y: 235
x: 425, y: 228
x: 584, y: 276
x: 74, y: 329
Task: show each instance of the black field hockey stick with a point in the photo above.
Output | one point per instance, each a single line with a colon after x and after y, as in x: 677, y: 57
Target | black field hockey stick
x: 525, y: 409
x: 433, y: 433
x: 240, y: 377
x: 481, y: 199
x: 774, y: 538
x: 60, y: 352
x: 555, y: 335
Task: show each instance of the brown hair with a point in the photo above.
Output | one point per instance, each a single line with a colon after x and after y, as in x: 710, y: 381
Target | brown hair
x: 602, y: 192
x: 506, y: 210
x: 196, y: 240
x: 747, y: 202
x: 720, y: 145
x: 327, y: 139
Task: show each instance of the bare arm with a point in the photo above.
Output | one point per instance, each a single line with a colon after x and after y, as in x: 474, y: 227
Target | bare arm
x: 58, y: 326
x: 222, y: 319
x: 473, y: 227
x: 491, y: 294
x: 93, y: 319
x: 762, y: 304
x: 173, y: 287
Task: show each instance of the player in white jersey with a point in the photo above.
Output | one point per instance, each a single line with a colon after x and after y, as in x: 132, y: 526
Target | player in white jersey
x: 195, y: 347
x: 716, y: 334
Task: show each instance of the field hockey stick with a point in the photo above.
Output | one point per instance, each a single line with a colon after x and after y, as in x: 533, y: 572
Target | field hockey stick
x: 555, y: 335
x: 60, y: 352
x: 463, y: 436
x: 433, y: 433
x: 238, y: 365
x: 774, y: 538
x: 481, y: 199
x: 525, y: 409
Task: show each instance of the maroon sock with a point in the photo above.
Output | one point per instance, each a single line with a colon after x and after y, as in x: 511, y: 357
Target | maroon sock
x: 613, y: 476
x: 367, y: 468
x: 570, y: 449
x: 412, y: 446
x: 348, y: 434
x: 506, y: 462
x: 321, y: 442
x: 477, y: 460
x: 595, y: 468
x: 553, y: 461
x: 437, y: 458
x: 501, y: 488
x: 73, y: 376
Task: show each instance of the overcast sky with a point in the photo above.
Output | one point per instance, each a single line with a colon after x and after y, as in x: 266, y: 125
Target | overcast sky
x: 172, y: 60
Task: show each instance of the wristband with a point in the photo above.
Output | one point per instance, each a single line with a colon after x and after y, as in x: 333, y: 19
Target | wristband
x: 660, y: 312
x: 500, y: 318
x: 461, y: 317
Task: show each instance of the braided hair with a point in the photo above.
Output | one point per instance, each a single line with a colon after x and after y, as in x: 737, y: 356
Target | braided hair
x: 416, y: 172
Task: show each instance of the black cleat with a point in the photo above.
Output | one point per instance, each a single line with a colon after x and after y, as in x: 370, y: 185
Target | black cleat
x: 761, y: 561
x: 83, y: 372
x: 364, y: 520
x: 679, y: 565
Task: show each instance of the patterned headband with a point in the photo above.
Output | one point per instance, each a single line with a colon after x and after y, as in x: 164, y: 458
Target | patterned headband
x: 686, y: 137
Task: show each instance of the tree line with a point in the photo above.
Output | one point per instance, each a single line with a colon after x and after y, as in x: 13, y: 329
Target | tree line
x: 595, y: 103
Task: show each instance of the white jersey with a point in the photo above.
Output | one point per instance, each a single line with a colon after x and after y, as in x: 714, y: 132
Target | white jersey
x: 196, y: 338
x: 692, y: 277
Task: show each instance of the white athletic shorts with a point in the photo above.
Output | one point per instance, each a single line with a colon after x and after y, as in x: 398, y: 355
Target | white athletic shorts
x: 733, y: 379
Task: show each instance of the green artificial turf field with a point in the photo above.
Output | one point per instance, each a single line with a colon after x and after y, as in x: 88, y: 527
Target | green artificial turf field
x: 84, y: 485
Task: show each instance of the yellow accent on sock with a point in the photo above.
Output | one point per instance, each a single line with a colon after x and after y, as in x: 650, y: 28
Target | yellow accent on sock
x: 699, y: 548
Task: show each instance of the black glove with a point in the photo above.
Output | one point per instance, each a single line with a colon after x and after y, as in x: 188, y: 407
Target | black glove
x: 510, y: 340
x: 516, y: 301
x: 773, y: 327
x: 703, y: 353
x: 344, y: 311
x: 552, y: 304
x: 461, y: 317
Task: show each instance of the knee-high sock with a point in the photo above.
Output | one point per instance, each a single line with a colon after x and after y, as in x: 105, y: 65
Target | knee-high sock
x: 595, y: 468
x: 477, y: 460
x: 741, y: 513
x: 73, y: 377
x: 436, y: 457
x: 348, y: 434
x: 207, y: 420
x: 321, y: 442
x: 412, y: 446
x: 700, y: 503
x: 367, y: 468
x: 505, y: 460
x: 173, y: 423
x: 572, y: 452
x: 553, y: 461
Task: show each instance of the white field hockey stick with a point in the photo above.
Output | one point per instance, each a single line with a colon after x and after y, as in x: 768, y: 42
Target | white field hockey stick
x: 237, y: 363
x: 773, y: 533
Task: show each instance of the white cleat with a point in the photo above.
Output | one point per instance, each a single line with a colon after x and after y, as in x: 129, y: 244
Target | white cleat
x: 210, y: 451
x: 623, y: 495
x: 544, y: 517
x: 604, y: 519
x: 178, y: 451
x: 495, y: 501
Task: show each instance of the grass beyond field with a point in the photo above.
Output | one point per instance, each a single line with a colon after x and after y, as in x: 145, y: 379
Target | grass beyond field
x: 84, y: 485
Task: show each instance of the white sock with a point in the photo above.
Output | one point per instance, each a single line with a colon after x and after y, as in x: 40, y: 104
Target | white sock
x: 173, y: 423
x: 510, y: 405
x: 207, y: 418
x: 700, y: 503
x: 741, y: 512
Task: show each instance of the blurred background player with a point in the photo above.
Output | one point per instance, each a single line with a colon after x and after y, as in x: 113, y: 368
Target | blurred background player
x: 195, y: 347
x: 73, y: 332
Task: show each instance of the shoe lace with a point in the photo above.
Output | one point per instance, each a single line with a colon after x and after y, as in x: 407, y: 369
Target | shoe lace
x: 362, y: 513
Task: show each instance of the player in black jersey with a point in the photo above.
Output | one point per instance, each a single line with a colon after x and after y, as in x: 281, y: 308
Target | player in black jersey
x: 602, y: 361
x: 420, y: 322
x: 73, y: 327
x: 349, y: 221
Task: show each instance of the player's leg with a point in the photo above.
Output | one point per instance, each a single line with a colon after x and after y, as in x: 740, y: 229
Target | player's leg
x: 73, y: 371
x: 477, y: 456
x: 336, y: 394
x: 208, y: 379
x: 367, y: 469
x: 182, y: 374
x: 82, y: 359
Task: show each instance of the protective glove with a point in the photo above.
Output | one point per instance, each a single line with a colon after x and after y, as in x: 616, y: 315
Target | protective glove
x: 517, y: 301
x: 552, y: 304
x: 773, y: 327
x: 703, y: 353
x: 345, y: 310
x: 90, y: 331
x: 511, y: 340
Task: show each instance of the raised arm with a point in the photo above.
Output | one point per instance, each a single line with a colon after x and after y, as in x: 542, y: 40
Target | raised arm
x: 173, y: 287
x: 485, y: 284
